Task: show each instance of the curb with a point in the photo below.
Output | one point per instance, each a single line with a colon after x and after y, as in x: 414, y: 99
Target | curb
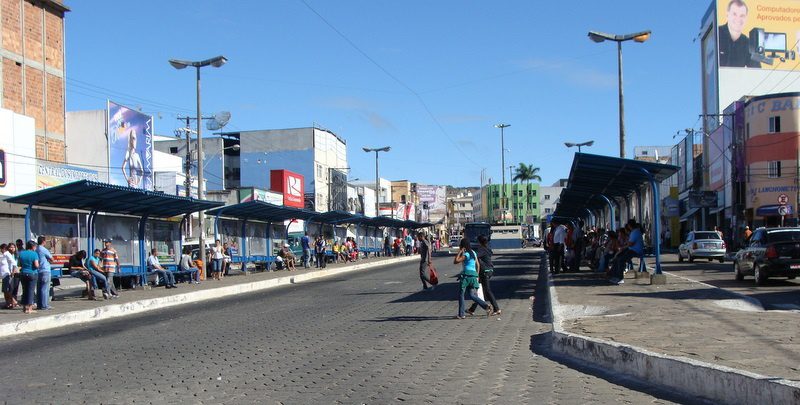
x: 145, y: 305
x: 712, y: 382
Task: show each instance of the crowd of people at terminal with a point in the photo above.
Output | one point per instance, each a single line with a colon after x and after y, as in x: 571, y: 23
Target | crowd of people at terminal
x: 606, y: 251
x: 26, y: 268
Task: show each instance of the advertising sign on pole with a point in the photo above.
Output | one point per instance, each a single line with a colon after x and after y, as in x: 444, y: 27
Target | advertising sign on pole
x: 130, y: 147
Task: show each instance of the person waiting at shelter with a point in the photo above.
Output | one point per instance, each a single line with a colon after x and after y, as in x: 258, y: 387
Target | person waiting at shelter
x: 396, y: 247
x: 186, y: 265
x: 29, y: 270
x: 154, y: 265
x: 8, y: 270
x: 633, y: 248
x: 288, y: 257
x: 319, y: 250
x: 95, y: 267
x: 110, y: 266
x: 78, y: 270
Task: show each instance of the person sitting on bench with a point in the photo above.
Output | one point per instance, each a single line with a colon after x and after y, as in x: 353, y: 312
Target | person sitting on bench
x: 78, y: 270
x: 288, y: 257
x: 187, y: 266
x: 155, y: 266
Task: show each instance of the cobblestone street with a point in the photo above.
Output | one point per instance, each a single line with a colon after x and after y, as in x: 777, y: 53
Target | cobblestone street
x: 369, y: 337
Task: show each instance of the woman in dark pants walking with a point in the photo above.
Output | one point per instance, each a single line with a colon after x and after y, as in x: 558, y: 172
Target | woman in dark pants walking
x: 486, y: 272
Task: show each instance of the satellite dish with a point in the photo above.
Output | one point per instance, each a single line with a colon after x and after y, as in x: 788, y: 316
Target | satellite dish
x: 218, y: 121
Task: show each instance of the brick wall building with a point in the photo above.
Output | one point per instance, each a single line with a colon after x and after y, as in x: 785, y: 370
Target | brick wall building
x: 32, y: 69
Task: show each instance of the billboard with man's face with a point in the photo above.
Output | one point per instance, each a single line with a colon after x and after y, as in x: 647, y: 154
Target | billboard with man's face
x: 760, y: 34
x: 130, y: 147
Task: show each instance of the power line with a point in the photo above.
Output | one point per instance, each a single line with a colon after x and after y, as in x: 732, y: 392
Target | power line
x: 395, y: 78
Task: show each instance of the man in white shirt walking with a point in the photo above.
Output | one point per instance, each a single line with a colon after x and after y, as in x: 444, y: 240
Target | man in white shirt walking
x: 559, y: 238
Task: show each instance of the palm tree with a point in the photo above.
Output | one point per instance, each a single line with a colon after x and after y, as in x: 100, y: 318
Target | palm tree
x: 527, y: 173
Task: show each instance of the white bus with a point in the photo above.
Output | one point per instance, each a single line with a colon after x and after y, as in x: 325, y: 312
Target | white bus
x: 507, y: 237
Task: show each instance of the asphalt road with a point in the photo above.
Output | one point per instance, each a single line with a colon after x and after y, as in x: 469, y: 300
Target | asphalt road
x: 371, y: 337
x: 777, y: 294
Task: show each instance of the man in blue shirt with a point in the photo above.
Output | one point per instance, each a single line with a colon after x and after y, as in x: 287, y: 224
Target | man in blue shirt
x: 635, y: 248
x: 305, y: 243
x: 409, y: 244
x: 43, y: 288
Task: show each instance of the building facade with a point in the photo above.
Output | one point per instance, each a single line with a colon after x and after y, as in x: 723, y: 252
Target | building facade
x: 522, y: 205
x: 316, y: 154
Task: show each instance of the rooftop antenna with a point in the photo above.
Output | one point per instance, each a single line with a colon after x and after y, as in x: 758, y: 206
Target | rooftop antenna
x: 218, y: 121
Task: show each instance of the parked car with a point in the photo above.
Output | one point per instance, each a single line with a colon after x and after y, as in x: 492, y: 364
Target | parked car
x: 534, y: 241
x: 702, y: 244
x: 771, y: 252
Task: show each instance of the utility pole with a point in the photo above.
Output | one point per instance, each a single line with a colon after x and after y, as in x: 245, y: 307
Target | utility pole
x: 503, y: 170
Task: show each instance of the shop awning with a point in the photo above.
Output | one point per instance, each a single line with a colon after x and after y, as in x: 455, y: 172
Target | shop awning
x: 95, y: 196
x: 688, y: 214
x: 262, y: 211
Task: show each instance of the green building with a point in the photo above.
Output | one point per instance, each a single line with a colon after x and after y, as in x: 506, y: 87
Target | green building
x: 522, y: 205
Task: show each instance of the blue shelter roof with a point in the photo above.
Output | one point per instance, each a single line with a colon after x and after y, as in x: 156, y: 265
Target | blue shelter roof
x: 95, y: 196
x: 262, y: 211
x: 593, y: 176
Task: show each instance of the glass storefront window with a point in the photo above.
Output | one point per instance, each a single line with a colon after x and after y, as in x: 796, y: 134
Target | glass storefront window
x: 230, y: 232
x: 123, y: 234
x: 60, y: 230
x: 164, y: 236
x: 256, y: 239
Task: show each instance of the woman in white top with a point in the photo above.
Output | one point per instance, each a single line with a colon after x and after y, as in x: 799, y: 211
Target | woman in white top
x: 216, y: 260
x: 8, y: 266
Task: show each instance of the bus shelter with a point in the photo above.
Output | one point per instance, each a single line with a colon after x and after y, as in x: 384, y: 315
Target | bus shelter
x: 127, y: 216
x: 256, y: 224
x: 596, y: 182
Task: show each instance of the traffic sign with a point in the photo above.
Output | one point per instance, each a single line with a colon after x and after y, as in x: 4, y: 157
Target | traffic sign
x: 783, y: 199
x: 783, y: 210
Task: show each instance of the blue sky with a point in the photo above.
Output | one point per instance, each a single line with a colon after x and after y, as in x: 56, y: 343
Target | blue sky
x: 429, y: 78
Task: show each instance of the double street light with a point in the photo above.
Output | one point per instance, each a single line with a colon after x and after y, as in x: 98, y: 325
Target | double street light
x: 502, y: 168
x: 619, y: 39
x: 377, y: 178
x: 183, y: 64
x: 571, y: 144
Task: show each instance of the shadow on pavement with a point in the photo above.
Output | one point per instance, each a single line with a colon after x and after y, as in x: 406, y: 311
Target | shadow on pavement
x: 696, y: 294
x: 512, y: 280
x: 410, y: 319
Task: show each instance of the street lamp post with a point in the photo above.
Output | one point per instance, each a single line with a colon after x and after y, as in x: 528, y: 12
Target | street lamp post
x: 502, y: 169
x: 619, y: 39
x: 216, y: 61
x: 513, y: 196
x: 377, y: 179
x: 570, y: 144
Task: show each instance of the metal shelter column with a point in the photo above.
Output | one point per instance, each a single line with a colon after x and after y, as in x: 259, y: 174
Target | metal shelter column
x: 612, y: 223
x: 639, y: 206
x: 656, y: 219
x: 628, y: 207
x: 588, y: 211
x: 27, y: 223
x: 243, y: 253
x: 142, y: 251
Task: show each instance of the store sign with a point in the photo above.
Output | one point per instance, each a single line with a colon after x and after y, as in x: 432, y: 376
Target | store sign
x: 291, y: 185
x: 700, y: 199
x: 53, y: 174
x: 257, y: 194
x: 2, y: 168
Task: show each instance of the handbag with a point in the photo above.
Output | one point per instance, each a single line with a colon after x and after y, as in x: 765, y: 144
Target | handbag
x: 480, y: 292
x: 432, y: 276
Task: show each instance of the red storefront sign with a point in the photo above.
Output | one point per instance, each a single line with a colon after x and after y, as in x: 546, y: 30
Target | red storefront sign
x: 291, y: 185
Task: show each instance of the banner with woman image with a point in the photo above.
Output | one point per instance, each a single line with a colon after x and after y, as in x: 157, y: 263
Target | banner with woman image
x: 130, y: 147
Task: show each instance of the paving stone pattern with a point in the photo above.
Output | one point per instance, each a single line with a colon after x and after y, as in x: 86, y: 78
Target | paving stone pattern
x: 369, y: 337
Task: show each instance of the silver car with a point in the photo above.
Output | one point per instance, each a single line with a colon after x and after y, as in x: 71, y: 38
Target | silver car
x: 702, y: 244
